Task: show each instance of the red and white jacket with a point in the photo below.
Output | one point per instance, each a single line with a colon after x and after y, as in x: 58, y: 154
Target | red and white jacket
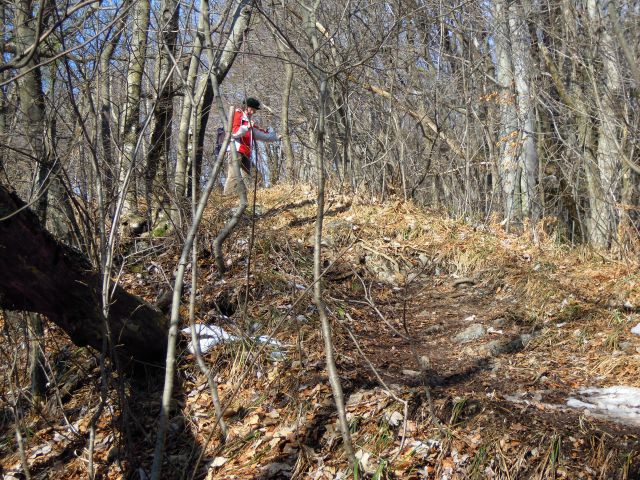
x: 243, y: 131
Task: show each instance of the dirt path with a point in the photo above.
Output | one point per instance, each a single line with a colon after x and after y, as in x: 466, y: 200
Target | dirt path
x: 500, y: 394
x: 509, y: 383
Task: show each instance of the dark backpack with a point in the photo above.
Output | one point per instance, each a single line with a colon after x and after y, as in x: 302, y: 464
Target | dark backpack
x: 219, y: 141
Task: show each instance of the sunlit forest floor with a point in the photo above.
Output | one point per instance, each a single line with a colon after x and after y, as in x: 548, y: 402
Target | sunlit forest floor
x: 505, y: 335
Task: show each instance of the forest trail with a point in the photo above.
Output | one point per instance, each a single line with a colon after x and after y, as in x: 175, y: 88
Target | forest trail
x: 500, y: 332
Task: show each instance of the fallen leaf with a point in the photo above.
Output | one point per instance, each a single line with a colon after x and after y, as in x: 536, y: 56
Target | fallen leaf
x: 254, y: 419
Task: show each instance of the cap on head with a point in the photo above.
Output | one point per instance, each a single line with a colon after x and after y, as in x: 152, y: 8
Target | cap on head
x: 252, y: 102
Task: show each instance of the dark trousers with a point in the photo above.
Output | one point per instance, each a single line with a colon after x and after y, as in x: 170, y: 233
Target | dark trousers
x: 245, y: 163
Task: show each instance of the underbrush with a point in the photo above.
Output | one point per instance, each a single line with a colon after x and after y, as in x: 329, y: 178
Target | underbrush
x: 390, y: 271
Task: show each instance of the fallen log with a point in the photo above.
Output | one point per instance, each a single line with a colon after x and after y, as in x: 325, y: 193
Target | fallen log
x: 40, y: 274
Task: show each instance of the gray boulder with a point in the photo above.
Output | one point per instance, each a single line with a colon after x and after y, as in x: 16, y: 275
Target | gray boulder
x: 471, y: 333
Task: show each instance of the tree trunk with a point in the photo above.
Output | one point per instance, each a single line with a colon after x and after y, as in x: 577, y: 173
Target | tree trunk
x: 4, y: 104
x: 309, y: 19
x: 604, y: 222
x: 45, y: 276
x: 185, y: 128
x: 332, y: 369
x: 33, y: 111
x: 156, y: 171
x: 289, y: 161
x: 131, y: 115
x: 37, y: 372
x: 508, y: 161
x: 522, y: 60
x: 105, y: 102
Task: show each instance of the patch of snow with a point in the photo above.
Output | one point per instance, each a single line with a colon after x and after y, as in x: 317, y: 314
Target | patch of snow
x: 218, y: 462
x: 277, y: 355
x: 267, y: 339
x: 209, y: 336
x: 619, y: 403
x: 636, y: 330
x: 423, y: 447
x: 394, y: 419
x: 574, y: 403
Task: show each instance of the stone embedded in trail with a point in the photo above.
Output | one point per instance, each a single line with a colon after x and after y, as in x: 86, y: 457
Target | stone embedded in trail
x: 425, y: 362
x: 626, y: 347
x: 497, y: 347
x: 499, y: 322
x: 336, y: 232
x: 386, y: 271
x: 276, y: 470
x: 433, y: 329
x: 356, y: 397
x: 471, y: 333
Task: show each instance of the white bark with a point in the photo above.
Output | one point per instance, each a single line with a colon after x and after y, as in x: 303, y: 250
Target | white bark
x: 131, y: 114
x: 603, y: 222
x: 521, y: 59
x: 182, y: 150
x: 508, y: 136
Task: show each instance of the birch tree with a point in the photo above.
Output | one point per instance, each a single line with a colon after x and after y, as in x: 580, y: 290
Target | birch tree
x: 130, y: 122
x: 38, y: 135
x: 159, y: 149
x: 525, y: 109
x: 606, y: 87
x: 508, y: 133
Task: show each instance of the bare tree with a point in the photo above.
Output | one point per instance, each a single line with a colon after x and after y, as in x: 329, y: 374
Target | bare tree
x: 160, y: 138
x: 130, y: 122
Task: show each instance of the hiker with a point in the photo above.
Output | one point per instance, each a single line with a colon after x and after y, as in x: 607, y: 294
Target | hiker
x: 243, y: 133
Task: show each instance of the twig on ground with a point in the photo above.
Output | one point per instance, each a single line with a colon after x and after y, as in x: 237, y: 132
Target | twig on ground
x: 175, y: 314
x: 384, y: 385
x: 264, y: 345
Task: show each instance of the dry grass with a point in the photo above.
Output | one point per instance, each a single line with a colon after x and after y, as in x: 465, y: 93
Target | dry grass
x: 573, y: 298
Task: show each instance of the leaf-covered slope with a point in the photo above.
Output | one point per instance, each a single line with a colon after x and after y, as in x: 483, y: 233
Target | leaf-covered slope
x: 500, y: 331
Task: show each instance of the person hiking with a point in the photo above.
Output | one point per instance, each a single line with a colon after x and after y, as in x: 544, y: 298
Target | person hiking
x: 243, y: 134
